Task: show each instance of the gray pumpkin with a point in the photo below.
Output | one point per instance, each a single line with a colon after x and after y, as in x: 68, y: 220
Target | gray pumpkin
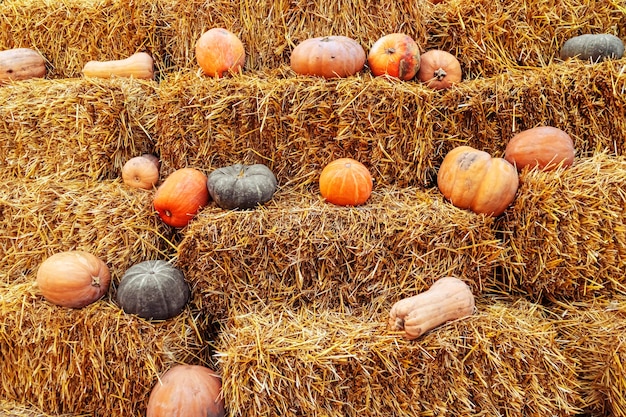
x: 593, y: 47
x: 153, y: 290
x: 241, y: 186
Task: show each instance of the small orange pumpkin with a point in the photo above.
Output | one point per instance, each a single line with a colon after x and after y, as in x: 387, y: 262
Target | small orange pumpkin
x: 544, y: 147
x: 187, y: 391
x: 439, y: 69
x: 141, y: 171
x: 345, y: 182
x: 73, y: 279
x: 396, y: 55
x: 472, y: 179
x: 179, y: 198
x: 219, y: 51
x: 328, y: 57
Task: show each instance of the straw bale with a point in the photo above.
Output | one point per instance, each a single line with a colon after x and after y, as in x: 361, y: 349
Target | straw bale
x: 43, y: 216
x: 504, y: 361
x: 75, y: 128
x: 566, y: 230
x: 303, y: 251
x: 96, y: 360
x: 13, y: 409
x: 593, y: 333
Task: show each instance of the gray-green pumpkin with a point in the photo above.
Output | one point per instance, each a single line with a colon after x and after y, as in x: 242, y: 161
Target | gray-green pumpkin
x: 593, y: 47
x: 241, y: 186
x: 153, y: 290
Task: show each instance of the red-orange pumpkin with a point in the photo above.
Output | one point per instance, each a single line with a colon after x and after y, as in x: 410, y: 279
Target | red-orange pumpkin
x: 346, y: 182
x: 472, y: 179
x: 544, y: 147
x: 439, y: 69
x: 141, y: 171
x: 73, y: 279
x: 187, y: 391
x: 219, y: 51
x: 328, y: 56
x: 179, y: 198
x: 395, y: 54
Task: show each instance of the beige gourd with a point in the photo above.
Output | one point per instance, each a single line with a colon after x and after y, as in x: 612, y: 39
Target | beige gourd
x: 447, y: 299
x: 21, y: 64
x: 138, y: 65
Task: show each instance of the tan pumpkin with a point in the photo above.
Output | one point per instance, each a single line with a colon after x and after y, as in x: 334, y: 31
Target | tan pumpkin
x: 449, y: 298
x: 139, y: 65
x: 181, y: 196
x: 187, y: 391
x: 346, y: 182
x: 219, y: 51
x: 328, y: 57
x: 543, y: 147
x: 439, y: 69
x: 21, y: 64
x: 472, y: 179
x: 396, y: 55
x: 73, y: 279
x: 141, y: 171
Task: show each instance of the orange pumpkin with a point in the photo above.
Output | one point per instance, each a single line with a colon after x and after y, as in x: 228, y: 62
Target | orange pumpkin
x: 396, y: 55
x: 21, y: 64
x: 439, y: 69
x: 179, y: 198
x: 328, y: 57
x: 220, y: 51
x: 141, y: 171
x: 345, y: 182
x: 544, y: 147
x: 472, y: 179
x: 73, y: 279
x: 187, y: 391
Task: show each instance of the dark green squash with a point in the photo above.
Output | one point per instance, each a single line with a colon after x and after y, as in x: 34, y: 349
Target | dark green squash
x: 593, y: 48
x: 241, y: 186
x: 153, y: 290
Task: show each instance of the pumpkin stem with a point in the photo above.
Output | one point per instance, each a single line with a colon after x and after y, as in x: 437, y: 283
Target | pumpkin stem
x: 390, y: 51
x: 440, y: 74
x: 95, y: 281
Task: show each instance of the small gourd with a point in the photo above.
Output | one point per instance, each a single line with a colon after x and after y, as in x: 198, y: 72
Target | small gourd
x: 139, y: 65
x: 449, y: 298
x: 241, y: 186
x: 21, y: 64
x: 593, y: 47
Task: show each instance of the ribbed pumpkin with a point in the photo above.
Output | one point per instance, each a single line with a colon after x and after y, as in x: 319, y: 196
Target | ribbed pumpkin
x: 73, y: 279
x: 219, y: 51
x: 472, y: 179
x: 153, y: 289
x: 141, y: 171
x: 187, y: 391
x: 544, y: 147
x: 328, y: 57
x: 439, y: 69
x: 241, y: 186
x: 179, y: 198
x: 346, y: 182
x: 396, y: 55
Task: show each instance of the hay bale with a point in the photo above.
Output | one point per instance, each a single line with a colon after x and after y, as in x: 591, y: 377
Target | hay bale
x: 13, y: 409
x: 43, y: 216
x: 566, y: 231
x: 74, y: 128
x: 504, y: 360
x: 303, y: 251
x: 96, y: 360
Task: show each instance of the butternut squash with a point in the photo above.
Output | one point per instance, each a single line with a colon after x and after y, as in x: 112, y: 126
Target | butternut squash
x: 449, y: 298
x: 21, y: 64
x: 138, y: 65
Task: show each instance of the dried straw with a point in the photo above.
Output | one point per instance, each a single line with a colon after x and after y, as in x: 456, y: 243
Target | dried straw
x: 505, y: 360
x: 13, y: 409
x: 44, y: 216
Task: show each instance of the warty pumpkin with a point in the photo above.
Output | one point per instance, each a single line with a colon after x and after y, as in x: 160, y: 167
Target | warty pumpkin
x: 73, y: 278
x: 180, y: 196
x: 439, y: 69
x: 21, y: 64
x: 472, y: 179
x: 139, y: 65
x: 593, y: 47
x: 346, y: 182
x: 544, y: 147
x: 187, y: 391
x: 141, y: 171
x: 241, y: 186
x: 448, y: 298
x: 396, y: 55
x: 328, y: 57
x: 219, y: 51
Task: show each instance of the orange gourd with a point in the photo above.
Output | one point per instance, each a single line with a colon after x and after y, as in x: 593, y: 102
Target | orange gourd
x: 328, y: 57
x: 141, y: 171
x: 219, y: 51
x: 544, y: 147
x: 73, y: 279
x: 449, y: 298
x: 472, y: 179
x: 21, y: 64
x: 139, y: 65
x: 345, y: 182
x: 179, y: 198
x: 439, y: 69
x: 187, y: 391
x: 396, y: 55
